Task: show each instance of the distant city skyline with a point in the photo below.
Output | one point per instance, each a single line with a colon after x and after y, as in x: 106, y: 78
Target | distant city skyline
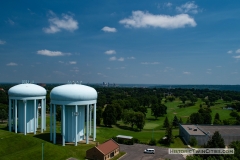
x: 121, y: 42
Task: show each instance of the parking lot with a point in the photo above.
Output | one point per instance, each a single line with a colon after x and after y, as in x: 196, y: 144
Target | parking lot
x: 135, y: 152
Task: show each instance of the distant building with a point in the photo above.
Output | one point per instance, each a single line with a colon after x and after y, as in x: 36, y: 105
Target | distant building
x: 104, y: 151
x: 204, y: 132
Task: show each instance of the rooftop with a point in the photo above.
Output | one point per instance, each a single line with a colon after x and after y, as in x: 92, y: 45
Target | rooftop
x: 222, y: 129
x: 107, y: 146
x: 73, y: 92
x: 27, y: 90
x: 192, y: 130
x: 233, y: 130
x: 125, y: 137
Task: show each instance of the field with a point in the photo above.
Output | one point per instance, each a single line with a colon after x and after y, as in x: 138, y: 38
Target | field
x: 17, y: 146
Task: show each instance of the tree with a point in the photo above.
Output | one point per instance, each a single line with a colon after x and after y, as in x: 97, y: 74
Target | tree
x: 236, y: 146
x: 193, y: 99
x: 156, y: 110
x: 207, y: 118
x: 180, y: 120
x: 58, y: 113
x: 139, y: 120
x: 129, y: 117
x: 234, y: 114
x: 166, y: 123
x: 109, y: 116
x: 183, y: 99
x: 217, y: 116
x: 216, y: 141
x: 3, y: 114
x: 118, y: 110
x: 99, y: 115
x: 217, y: 119
x: 196, y: 118
x: 193, y: 141
x: 169, y: 135
x: 175, y: 121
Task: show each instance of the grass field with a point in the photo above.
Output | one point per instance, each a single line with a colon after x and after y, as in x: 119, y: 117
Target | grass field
x: 17, y: 146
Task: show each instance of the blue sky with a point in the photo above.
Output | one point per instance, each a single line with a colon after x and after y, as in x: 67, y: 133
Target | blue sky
x: 120, y: 41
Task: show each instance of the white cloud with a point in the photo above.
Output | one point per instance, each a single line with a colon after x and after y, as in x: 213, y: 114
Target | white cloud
x: 140, y: 19
x: 101, y: 74
x: 237, y: 57
x: 30, y: 11
x: 10, y: 21
x: 238, y: 51
x: 131, y: 58
x: 109, y: 52
x: 121, y: 59
x: 72, y: 62
x: 167, y: 69
x: 116, y: 59
x: 46, y: 52
x: 230, y: 52
x: 2, y: 42
x: 56, y: 24
x: 60, y: 61
x: 186, y: 72
x: 189, y: 7
x: 109, y: 29
x: 168, y: 4
x: 112, y: 58
x: 12, y: 64
x: 146, y: 63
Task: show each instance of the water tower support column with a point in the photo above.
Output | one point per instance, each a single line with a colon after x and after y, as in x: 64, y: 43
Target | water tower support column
x: 87, y: 128
x: 34, y: 126
x: 15, y: 116
x: 42, y: 115
x: 51, y: 122
x: 25, y: 117
x: 63, y: 125
x: 76, y: 124
x: 94, y: 122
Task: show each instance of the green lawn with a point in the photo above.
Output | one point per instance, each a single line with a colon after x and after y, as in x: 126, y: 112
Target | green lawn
x: 17, y: 146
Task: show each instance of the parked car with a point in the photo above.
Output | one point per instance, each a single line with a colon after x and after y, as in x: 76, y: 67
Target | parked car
x: 151, y: 151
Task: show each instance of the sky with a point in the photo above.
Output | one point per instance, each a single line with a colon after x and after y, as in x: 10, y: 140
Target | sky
x: 120, y: 41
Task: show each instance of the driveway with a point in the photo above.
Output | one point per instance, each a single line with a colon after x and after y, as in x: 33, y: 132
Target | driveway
x: 135, y: 152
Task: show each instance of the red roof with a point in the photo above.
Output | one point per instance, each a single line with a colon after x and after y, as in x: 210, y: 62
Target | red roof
x: 107, y: 146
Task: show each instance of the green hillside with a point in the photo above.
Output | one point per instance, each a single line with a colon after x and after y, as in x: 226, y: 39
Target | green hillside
x: 18, y: 147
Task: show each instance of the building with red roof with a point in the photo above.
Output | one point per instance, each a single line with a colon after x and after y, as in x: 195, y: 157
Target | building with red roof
x: 104, y: 151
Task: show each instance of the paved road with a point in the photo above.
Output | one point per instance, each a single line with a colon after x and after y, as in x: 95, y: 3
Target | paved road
x: 135, y: 152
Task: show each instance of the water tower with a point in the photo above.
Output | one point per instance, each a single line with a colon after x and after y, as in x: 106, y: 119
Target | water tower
x: 24, y: 100
x: 76, y: 101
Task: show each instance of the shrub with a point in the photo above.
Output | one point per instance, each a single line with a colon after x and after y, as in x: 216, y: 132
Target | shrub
x: 152, y: 142
x: 193, y: 141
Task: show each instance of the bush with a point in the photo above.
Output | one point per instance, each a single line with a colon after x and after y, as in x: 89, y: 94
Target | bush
x: 193, y: 141
x: 135, y: 140
x: 152, y: 142
x: 234, y: 114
